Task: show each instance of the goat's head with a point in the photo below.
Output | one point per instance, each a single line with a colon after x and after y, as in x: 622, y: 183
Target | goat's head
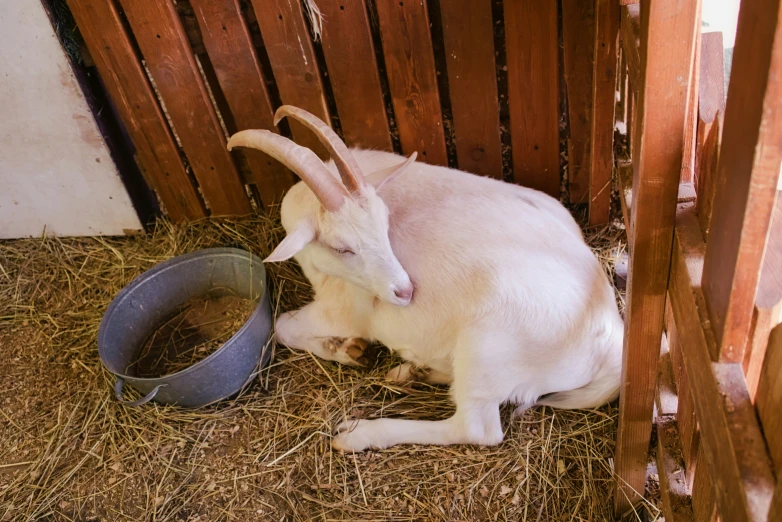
x: 347, y: 232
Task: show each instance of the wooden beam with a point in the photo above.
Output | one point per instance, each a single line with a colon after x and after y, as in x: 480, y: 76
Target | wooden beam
x: 533, y: 89
x: 747, y: 176
x: 412, y: 79
x: 578, y: 37
x: 353, y: 73
x: 691, y: 121
x: 685, y: 411
x: 732, y: 444
x: 677, y: 503
x: 130, y: 90
x: 603, y: 115
x: 704, y: 505
x: 630, y: 30
x: 667, y: 40
x: 468, y: 36
x: 172, y: 65
x: 625, y: 178
x: 769, y: 398
x: 708, y: 159
x: 768, y: 302
x: 238, y: 72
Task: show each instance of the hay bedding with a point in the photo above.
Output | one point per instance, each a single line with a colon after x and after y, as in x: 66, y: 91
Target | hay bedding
x: 68, y: 451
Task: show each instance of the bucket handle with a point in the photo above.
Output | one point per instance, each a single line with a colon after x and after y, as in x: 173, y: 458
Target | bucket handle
x: 148, y: 397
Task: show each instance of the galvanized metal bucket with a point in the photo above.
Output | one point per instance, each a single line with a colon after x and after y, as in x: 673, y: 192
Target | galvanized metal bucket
x: 156, y: 294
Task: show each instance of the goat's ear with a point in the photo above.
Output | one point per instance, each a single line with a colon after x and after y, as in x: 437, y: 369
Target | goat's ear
x: 391, y: 173
x: 300, y: 237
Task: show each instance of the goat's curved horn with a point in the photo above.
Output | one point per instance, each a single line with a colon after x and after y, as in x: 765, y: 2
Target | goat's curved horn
x: 300, y: 160
x: 349, y: 171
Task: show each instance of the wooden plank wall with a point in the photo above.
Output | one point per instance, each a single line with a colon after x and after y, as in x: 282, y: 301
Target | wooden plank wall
x: 186, y: 74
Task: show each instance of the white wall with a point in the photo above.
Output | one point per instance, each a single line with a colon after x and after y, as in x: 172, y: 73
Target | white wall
x: 55, y: 169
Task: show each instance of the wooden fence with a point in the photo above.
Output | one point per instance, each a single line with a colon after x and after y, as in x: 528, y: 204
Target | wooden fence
x: 699, y: 197
x: 474, y: 85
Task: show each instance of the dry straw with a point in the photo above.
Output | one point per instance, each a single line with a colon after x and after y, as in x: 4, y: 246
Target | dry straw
x: 68, y: 451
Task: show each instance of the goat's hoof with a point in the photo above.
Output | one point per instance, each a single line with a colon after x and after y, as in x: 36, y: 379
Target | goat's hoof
x: 348, y: 351
x: 406, y: 373
x: 353, y: 436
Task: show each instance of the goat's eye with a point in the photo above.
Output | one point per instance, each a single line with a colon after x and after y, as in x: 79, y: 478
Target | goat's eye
x: 344, y: 251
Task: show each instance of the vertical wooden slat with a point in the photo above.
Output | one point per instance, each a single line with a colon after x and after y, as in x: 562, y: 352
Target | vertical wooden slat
x: 708, y: 159
x: 232, y: 54
x: 171, y: 63
x: 685, y: 412
x: 533, y: 87
x: 691, y: 121
x: 768, y: 302
x: 603, y: 116
x: 747, y: 176
x: 769, y: 398
x: 129, y: 88
x: 293, y: 62
x: 578, y: 38
x: 353, y: 73
x: 667, y: 40
x: 412, y: 78
x: 711, y: 108
x: 468, y: 35
x: 704, y: 504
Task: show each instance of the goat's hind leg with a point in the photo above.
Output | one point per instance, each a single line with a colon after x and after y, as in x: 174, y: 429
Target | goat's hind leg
x: 322, y: 332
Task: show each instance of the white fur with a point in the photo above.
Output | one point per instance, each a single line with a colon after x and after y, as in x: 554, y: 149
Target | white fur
x: 509, y: 302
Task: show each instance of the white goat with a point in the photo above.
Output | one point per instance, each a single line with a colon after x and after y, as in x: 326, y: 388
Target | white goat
x: 489, y: 286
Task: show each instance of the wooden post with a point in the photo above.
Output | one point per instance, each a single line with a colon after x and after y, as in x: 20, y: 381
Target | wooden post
x: 747, y: 175
x: 603, y: 115
x: 667, y: 40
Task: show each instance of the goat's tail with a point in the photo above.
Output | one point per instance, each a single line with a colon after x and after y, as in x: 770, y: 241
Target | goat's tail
x: 600, y: 391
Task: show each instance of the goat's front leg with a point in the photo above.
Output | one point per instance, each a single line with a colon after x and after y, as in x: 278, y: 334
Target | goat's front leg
x: 408, y: 372
x: 477, y: 417
x: 323, y: 331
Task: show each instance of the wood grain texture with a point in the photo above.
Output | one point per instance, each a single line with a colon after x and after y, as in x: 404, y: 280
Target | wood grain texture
x: 128, y: 85
x: 171, y: 63
x: 630, y: 30
x: 708, y: 160
x: 603, y: 114
x: 704, y: 505
x: 685, y: 412
x: 533, y: 86
x: 732, y: 443
x: 691, y: 119
x: 353, y: 73
x: 412, y: 79
x: 238, y: 71
x: 769, y: 398
x: 667, y: 40
x: 578, y: 37
x: 468, y: 36
x: 625, y: 181
x: 747, y: 176
x: 288, y: 45
x: 768, y: 302
x: 677, y: 504
x: 711, y: 84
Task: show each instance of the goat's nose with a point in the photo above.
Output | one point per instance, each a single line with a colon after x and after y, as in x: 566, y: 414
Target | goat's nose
x: 405, y: 293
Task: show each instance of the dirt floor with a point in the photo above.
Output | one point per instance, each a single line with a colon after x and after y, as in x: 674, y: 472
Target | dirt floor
x: 69, y: 451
